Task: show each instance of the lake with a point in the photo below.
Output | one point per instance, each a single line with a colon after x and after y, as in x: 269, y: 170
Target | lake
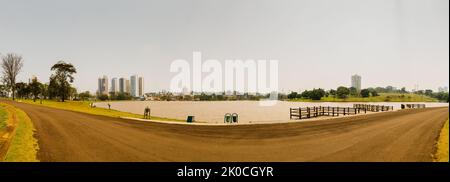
x: 249, y: 111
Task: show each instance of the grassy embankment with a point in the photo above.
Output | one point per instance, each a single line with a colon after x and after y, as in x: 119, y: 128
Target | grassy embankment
x: 442, y: 145
x: 83, y: 106
x: 23, y: 146
x: 383, y: 97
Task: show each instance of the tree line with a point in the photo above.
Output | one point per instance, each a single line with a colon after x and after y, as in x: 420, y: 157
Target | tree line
x: 341, y: 92
x: 59, y: 86
x: 344, y: 92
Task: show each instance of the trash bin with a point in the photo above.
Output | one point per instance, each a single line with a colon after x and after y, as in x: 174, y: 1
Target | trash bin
x: 190, y: 119
x: 227, y: 118
x: 235, y: 117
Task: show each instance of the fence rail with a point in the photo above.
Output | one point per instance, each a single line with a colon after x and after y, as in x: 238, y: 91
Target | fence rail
x: 412, y: 106
x: 373, y: 108
x: 310, y: 112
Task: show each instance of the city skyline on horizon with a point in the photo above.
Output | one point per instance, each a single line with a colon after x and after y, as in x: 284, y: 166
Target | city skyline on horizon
x: 402, y: 43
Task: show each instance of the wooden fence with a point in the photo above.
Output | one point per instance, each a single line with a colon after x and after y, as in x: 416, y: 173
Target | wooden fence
x: 310, y: 112
x: 373, y: 108
x: 412, y: 106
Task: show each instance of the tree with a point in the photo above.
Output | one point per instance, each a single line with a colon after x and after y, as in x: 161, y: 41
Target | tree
x: 374, y: 93
x: 63, y: 77
x: 332, y: 92
x: 306, y: 94
x: 102, y: 97
x: 342, y: 92
x: 84, y: 95
x: 365, y: 93
x: 44, y: 91
x: 11, y: 64
x: 53, y: 88
x: 403, y: 90
x: 123, y: 96
x: 317, y: 94
x: 292, y: 95
x: 429, y: 92
x: 35, y: 88
x: 3, y: 91
x: 73, y: 93
x: 353, y: 91
x: 22, y: 90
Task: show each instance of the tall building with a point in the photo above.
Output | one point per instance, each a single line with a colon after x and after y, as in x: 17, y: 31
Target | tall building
x: 127, y: 86
x: 103, y: 85
x: 134, y: 86
x: 114, y: 85
x: 122, y: 85
x: 356, y: 82
x: 141, y: 86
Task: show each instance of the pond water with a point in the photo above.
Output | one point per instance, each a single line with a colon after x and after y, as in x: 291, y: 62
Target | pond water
x: 248, y: 111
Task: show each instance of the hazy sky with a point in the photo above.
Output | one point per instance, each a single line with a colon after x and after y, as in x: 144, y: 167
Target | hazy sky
x: 319, y: 43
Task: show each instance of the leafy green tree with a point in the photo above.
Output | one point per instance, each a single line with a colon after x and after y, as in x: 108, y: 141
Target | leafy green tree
x: 374, y: 93
x: 84, y: 95
x: 53, y: 88
x: 292, y: 95
x: 44, y: 91
x: 403, y: 90
x: 306, y: 94
x: 63, y: 77
x: 353, y: 91
x: 123, y: 96
x: 35, y: 88
x: 429, y: 92
x: 317, y: 94
x: 102, y: 97
x: 332, y: 92
x: 365, y: 93
x: 342, y: 92
x: 3, y: 90
x: 73, y: 93
x: 22, y: 90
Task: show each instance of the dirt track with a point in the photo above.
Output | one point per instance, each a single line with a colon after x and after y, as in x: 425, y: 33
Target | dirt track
x: 407, y: 135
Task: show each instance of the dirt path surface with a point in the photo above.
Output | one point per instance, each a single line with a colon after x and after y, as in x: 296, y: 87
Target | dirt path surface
x: 407, y: 135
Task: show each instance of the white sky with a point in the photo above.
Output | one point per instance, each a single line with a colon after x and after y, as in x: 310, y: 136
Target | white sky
x: 319, y: 43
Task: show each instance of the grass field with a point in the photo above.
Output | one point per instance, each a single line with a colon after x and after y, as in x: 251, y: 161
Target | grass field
x: 23, y: 146
x: 83, y: 106
x: 383, y: 97
x: 3, y: 117
x: 442, y: 145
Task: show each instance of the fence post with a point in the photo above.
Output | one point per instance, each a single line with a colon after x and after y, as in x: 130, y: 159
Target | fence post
x: 299, y: 112
x: 307, y: 112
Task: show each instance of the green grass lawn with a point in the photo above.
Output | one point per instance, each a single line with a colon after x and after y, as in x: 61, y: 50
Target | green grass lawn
x: 3, y: 117
x: 83, y: 106
x: 383, y: 97
x: 442, y: 145
x: 23, y: 146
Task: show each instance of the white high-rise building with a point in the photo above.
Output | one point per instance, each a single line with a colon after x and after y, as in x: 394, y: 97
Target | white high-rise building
x: 122, y: 85
x: 134, y: 86
x: 141, y: 86
x: 114, y: 85
x: 103, y: 85
x: 127, y: 86
x: 356, y: 82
